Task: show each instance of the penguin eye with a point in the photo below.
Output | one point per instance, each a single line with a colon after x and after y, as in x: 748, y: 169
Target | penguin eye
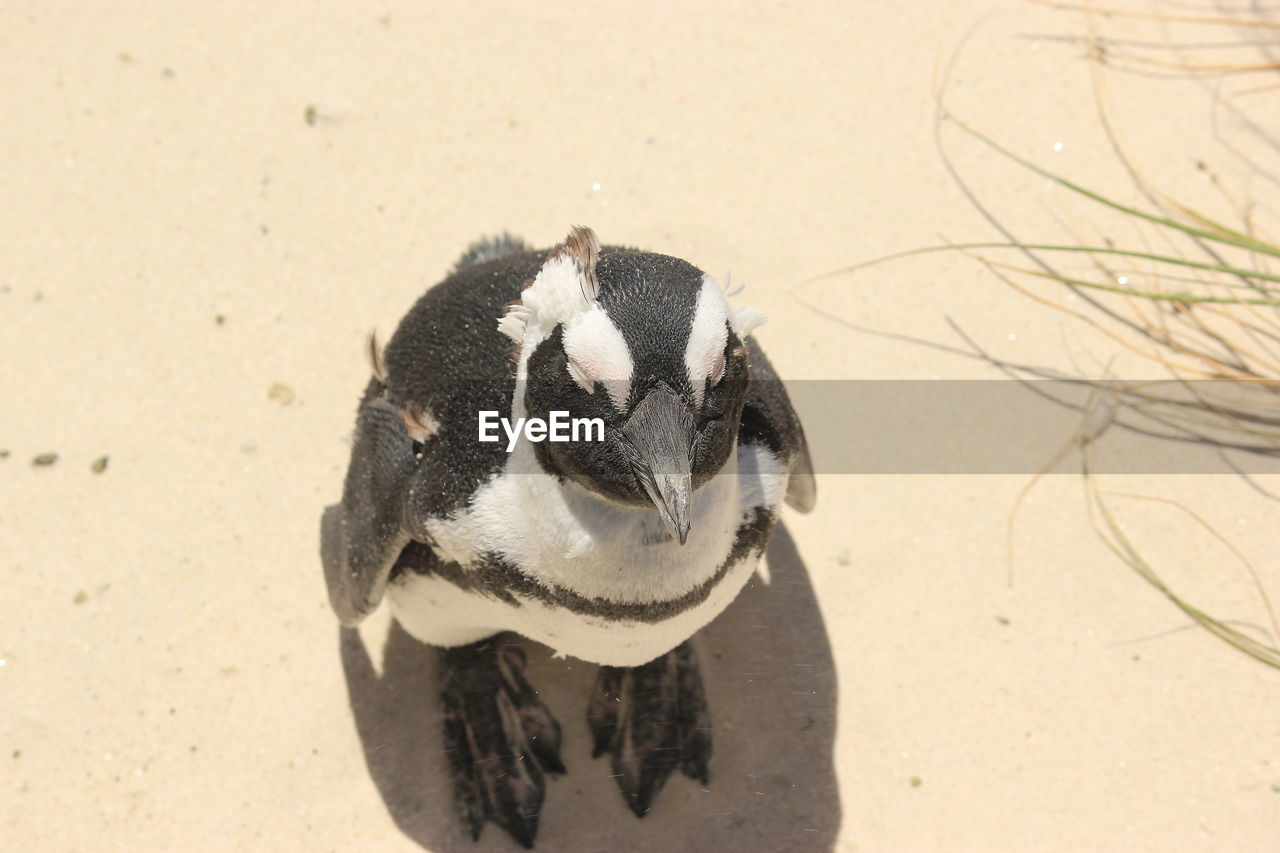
x: 717, y: 371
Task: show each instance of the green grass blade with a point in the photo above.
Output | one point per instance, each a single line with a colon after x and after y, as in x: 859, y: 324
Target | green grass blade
x: 1052, y: 247
x: 1123, y: 548
x: 1152, y: 295
x: 1231, y: 238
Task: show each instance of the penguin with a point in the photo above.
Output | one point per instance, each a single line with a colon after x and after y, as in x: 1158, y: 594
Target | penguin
x: 613, y: 544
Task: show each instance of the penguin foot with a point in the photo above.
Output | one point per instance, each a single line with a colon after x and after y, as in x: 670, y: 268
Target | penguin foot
x: 652, y: 719
x: 500, y: 738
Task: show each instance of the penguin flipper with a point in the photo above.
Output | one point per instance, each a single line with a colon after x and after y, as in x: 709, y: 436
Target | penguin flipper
x: 802, y: 486
x: 769, y: 419
x: 361, y: 538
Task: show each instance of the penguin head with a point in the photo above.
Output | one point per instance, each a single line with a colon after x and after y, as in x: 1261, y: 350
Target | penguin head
x: 650, y: 346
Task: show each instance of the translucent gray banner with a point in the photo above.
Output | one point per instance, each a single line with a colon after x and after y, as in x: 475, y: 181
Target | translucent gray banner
x: 1009, y: 426
x: 1017, y: 427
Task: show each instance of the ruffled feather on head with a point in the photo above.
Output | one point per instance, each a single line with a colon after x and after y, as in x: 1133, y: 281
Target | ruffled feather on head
x: 743, y: 319
x: 564, y: 289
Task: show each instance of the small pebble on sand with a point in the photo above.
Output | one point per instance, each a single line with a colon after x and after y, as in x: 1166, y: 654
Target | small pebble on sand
x: 281, y: 393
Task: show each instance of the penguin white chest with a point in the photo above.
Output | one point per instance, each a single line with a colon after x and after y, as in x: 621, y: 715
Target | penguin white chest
x: 588, y: 577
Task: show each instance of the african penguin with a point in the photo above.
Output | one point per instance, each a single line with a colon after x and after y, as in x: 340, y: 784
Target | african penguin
x: 614, y: 545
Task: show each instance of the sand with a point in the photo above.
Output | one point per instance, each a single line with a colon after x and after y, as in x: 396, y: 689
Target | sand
x: 207, y: 208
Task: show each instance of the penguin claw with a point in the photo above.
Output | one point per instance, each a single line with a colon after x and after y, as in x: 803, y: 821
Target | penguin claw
x: 501, y: 740
x: 652, y: 719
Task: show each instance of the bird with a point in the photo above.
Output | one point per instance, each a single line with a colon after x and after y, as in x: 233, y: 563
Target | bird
x: 614, y: 545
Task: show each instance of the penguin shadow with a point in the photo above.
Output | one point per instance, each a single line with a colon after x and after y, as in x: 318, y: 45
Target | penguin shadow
x: 769, y: 675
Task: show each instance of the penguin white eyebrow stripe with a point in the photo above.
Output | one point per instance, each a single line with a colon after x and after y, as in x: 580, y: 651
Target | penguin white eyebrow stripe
x: 708, y: 335
x: 597, y: 352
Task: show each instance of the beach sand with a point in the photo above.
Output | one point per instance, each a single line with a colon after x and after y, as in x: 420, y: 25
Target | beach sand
x: 208, y: 207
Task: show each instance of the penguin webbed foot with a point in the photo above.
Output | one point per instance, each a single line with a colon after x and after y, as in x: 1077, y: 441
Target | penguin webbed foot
x: 500, y: 738
x: 652, y: 719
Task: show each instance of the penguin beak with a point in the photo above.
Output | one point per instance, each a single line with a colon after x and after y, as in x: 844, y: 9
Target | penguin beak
x: 657, y: 440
